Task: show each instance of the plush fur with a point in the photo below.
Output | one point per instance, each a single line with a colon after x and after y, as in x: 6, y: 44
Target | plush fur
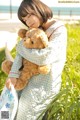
x: 33, y: 38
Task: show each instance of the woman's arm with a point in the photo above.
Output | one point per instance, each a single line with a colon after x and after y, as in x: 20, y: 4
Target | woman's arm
x: 14, y: 73
x: 54, y: 52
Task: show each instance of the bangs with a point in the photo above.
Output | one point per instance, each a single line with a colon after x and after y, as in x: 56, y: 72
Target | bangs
x: 29, y: 10
x: 24, y: 11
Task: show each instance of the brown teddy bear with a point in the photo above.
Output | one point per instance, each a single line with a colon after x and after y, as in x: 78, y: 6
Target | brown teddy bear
x: 33, y: 38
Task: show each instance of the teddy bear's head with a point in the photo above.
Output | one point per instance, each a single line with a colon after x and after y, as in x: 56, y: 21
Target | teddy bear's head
x: 35, y: 38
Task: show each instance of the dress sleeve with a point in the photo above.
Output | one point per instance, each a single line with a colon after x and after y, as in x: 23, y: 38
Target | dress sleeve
x: 16, y: 66
x: 55, y: 51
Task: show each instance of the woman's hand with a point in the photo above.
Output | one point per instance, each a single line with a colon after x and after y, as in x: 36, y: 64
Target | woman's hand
x: 10, y: 81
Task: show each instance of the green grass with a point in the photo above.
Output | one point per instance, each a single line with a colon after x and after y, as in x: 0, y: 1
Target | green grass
x: 3, y: 76
x: 66, y: 105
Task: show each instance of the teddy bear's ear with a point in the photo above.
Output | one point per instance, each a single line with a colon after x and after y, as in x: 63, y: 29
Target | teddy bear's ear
x: 44, y: 39
x: 22, y: 33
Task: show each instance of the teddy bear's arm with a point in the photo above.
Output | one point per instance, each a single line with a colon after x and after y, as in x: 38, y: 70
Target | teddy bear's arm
x: 51, y: 54
x: 16, y: 66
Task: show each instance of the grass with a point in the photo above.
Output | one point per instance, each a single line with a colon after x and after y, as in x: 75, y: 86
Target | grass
x: 3, y: 76
x: 66, y: 105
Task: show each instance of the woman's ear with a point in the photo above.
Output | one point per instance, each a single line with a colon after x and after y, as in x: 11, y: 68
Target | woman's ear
x: 44, y: 39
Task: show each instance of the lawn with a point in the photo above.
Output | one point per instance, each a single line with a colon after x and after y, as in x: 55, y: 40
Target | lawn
x: 66, y: 106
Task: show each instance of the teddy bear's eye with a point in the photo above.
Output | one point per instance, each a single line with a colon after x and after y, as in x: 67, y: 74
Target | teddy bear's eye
x: 24, y: 39
x: 32, y: 42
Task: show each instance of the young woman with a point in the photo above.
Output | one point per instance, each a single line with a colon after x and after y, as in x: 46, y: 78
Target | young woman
x: 41, y: 88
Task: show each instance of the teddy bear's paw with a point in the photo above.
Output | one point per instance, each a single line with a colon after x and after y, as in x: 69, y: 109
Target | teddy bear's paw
x: 6, y: 66
x: 44, y: 69
x: 20, y: 84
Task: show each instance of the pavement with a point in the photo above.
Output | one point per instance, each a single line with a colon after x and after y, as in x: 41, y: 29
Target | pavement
x: 8, y: 32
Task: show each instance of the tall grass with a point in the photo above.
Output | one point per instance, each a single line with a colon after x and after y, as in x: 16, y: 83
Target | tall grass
x: 66, y: 105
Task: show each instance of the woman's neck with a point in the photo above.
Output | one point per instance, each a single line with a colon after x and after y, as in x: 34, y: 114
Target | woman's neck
x: 50, y: 22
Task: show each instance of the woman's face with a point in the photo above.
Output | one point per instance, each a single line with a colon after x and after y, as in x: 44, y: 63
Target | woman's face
x: 32, y: 21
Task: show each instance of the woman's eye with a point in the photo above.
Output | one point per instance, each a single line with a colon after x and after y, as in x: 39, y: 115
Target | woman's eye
x: 29, y: 15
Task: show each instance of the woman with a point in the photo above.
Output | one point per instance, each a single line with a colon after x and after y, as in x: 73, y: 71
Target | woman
x: 41, y: 88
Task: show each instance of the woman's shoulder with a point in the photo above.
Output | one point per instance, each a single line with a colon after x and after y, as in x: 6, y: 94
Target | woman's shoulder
x: 56, y: 24
x: 56, y: 27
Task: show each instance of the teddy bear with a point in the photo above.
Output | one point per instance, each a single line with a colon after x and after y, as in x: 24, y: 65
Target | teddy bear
x: 32, y: 38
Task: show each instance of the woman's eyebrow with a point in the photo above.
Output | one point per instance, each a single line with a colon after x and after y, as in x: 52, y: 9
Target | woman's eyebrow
x: 25, y: 18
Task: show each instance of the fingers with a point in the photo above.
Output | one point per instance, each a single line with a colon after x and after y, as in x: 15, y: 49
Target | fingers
x: 13, y: 81
x: 8, y: 84
x: 10, y: 81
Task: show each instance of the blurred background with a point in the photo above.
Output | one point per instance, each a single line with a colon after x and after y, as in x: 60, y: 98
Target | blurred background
x: 62, y: 9
x: 66, y: 105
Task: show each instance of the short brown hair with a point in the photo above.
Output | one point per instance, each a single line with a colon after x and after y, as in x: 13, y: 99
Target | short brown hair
x: 35, y: 7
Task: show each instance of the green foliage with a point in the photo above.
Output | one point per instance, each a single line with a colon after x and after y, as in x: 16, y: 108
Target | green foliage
x: 66, y: 105
x: 2, y: 75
